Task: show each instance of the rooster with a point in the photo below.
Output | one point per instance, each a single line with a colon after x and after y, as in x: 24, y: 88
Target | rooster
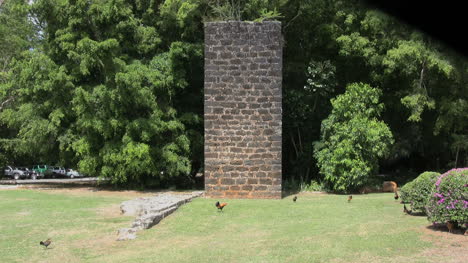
x: 45, y: 243
x: 350, y: 198
x: 295, y: 198
x: 220, y: 206
x: 450, y: 226
x: 406, y: 211
x: 396, y: 196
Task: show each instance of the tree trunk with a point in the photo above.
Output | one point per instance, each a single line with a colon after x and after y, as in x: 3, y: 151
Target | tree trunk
x: 3, y: 104
x: 294, y: 145
x: 456, y: 156
x: 299, y: 138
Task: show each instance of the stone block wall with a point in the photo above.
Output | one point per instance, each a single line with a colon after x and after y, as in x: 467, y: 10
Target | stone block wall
x: 243, y: 111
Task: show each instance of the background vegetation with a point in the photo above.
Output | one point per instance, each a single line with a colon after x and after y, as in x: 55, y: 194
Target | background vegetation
x: 115, y: 87
x: 418, y: 192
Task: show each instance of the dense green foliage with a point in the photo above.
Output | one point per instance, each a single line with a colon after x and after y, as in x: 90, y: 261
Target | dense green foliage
x: 418, y: 191
x: 115, y: 87
x: 449, y: 198
x: 423, y: 84
x: 17, y: 34
x: 100, y: 93
x: 17, y: 31
x: 353, y: 138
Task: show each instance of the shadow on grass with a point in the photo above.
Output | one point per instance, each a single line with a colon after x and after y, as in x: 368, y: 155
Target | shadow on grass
x: 287, y: 193
x: 443, y: 228
x: 418, y: 214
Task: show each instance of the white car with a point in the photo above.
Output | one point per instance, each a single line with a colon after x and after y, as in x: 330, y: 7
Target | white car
x: 72, y: 173
x: 15, y: 173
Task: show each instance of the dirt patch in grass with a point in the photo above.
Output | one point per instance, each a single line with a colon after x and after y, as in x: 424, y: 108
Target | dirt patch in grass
x: 23, y: 213
x: 303, y: 194
x: 448, y: 247
x: 99, y: 244
x: 22, y: 199
x: 91, y: 191
x: 8, y: 187
x: 45, y: 256
x: 98, y: 191
x: 109, y: 211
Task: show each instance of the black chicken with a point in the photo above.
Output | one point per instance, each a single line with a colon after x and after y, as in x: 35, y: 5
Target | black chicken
x: 295, y: 198
x: 450, y: 226
x: 406, y: 211
x: 45, y: 243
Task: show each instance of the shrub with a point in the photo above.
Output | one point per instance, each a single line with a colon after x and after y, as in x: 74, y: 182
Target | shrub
x: 353, y: 139
x: 312, y: 187
x: 293, y: 184
x: 418, y: 191
x: 405, y: 192
x: 449, y: 199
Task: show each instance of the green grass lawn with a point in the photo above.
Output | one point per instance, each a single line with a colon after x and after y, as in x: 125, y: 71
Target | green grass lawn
x: 317, y: 228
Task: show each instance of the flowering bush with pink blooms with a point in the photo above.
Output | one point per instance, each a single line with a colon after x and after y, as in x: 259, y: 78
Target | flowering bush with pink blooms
x: 449, y: 199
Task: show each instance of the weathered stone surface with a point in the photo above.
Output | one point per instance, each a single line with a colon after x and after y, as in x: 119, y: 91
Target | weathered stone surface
x: 243, y: 109
x: 126, y: 234
x: 140, y: 206
x: 132, y: 207
x: 150, y: 211
x: 151, y: 218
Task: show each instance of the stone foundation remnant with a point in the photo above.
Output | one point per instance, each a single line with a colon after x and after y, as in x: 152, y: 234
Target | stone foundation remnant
x: 151, y: 210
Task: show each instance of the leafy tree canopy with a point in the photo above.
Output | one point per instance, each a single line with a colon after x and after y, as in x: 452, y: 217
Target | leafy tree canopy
x: 353, y: 138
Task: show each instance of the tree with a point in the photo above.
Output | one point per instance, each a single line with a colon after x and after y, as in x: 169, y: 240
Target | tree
x: 103, y: 90
x: 73, y: 92
x: 352, y: 138
x: 418, y: 76
x: 303, y: 105
x: 115, y: 88
x: 17, y: 34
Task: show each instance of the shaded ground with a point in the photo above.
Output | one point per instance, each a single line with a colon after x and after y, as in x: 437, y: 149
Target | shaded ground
x: 449, y: 247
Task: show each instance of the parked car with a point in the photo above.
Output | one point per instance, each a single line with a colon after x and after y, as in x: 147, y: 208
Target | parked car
x: 43, y: 170
x: 58, y: 171
x: 73, y: 173
x: 13, y: 172
x: 31, y: 174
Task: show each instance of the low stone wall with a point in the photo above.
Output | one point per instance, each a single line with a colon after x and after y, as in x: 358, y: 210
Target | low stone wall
x: 149, y: 211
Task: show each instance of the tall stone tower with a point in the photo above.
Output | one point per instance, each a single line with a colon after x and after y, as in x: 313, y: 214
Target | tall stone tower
x: 243, y: 111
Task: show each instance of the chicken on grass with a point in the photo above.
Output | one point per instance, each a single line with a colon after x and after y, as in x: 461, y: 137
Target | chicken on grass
x: 406, y: 211
x: 220, y: 206
x: 45, y: 243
